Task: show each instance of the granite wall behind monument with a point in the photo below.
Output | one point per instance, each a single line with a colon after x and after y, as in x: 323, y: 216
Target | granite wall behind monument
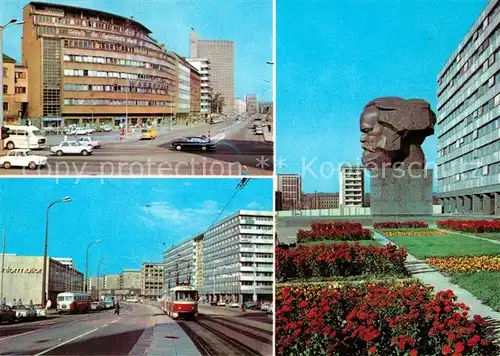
x: 401, y: 192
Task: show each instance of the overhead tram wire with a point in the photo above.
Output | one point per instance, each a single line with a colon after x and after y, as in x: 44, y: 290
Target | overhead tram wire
x: 242, y: 183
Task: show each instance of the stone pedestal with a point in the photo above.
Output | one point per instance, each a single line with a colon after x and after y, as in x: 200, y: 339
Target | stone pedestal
x: 398, y: 192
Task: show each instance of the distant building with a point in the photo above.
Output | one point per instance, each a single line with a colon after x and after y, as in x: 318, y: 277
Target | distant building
x: 290, y: 188
x: 320, y: 201
x: 468, y: 122
x: 366, y: 200
x: 351, y: 186
x: 15, y: 91
x: 240, y: 106
x: 130, y: 279
x: 111, y: 281
x: 252, y: 103
x: 179, y: 264
x: 203, y: 67
x: 93, y: 287
x: 152, y: 278
x: 220, y: 53
x: 278, y: 197
x: 68, y: 261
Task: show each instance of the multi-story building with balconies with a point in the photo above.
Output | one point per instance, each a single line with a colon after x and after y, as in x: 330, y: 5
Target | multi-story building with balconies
x: 252, y: 103
x: 203, y: 67
x: 290, y: 188
x: 238, y: 254
x: 130, y: 279
x: 352, y: 187
x: 152, y: 280
x: 320, y: 201
x: 88, y: 66
x: 179, y: 263
x: 468, y: 124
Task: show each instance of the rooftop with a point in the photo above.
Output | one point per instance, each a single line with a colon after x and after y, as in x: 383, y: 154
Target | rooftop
x: 8, y: 59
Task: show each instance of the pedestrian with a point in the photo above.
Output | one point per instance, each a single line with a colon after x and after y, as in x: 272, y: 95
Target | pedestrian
x: 31, y: 304
x: 244, y: 170
x: 122, y: 133
x: 4, y: 301
x: 117, y: 308
x: 19, y: 302
x: 48, y: 305
x: 14, y: 302
x: 243, y: 307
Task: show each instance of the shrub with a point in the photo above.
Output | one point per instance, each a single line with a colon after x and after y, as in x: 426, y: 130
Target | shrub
x: 334, y: 235
x: 429, y: 232
x: 339, y: 260
x: 401, y: 225
x: 474, y: 226
x: 375, y: 320
x: 333, y: 225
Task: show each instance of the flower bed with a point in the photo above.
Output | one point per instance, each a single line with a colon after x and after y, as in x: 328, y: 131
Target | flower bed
x: 333, y: 225
x: 466, y: 264
x: 401, y: 225
x: 428, y: 232
x: 375, y: 320
x: 474, y: 226
x: 334, y: 235
x: 339, y: 260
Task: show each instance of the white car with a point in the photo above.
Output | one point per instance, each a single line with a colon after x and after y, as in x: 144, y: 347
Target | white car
x: 95, y: 306
x: 106, y: 128
x: 234, y: 305
x: 265, y: 306
x: 89, y: 140
x: 259, y: 131
x: 23, y: 312
x: 22, y: 158
x: 72, y: 148
x: 84, y: 130
x: 41, y: 312
x: 221, y: 303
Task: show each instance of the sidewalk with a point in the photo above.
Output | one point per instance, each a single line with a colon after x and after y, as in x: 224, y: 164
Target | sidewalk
x: 428, y: 275
x: 165, y: 338
x: 268, y: 136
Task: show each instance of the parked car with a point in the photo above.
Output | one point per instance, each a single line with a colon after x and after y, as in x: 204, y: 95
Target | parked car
x: 7, y: 314
x: 202, y: 143
x: 264, y: 306
x: 95, y: 306
x: 71, y: 148
x: 84, y: 130
x: 221, y: 303
x: 89, y: 140
x: 41, y: 312
x: 259, y: 131
x: 22, y: 158
x: 106, y: 128
x: 270, y: 309
x: 234, y: 305
x: 24, y: 313
x: 148, y: 133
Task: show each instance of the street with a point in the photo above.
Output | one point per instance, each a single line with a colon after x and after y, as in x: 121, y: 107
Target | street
x: 142, y: 329
x: 237, y: 146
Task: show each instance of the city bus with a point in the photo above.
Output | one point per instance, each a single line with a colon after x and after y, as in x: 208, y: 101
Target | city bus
x: 109, y: 302
x: 69, y: 302
x: 180, y: 301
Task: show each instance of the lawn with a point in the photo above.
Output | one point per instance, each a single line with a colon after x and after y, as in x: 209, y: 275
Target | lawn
x: 328, y: 242
x: 483, y: 285
x: 487, y: 235
x: 445, y: 246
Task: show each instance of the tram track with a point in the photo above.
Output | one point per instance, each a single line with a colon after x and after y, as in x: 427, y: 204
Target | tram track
x: 212, y: 340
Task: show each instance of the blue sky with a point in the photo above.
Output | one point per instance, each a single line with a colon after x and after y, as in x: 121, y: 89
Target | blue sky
x: 131, y: 217
x: 248, y: 23
x: 335, y: 56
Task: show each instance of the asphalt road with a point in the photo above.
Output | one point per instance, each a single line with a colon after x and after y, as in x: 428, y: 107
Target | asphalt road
x: 100, y: 333
x: 237, y: 145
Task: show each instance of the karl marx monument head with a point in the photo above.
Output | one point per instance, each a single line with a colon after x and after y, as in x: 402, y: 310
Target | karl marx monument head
x: 393, y: 130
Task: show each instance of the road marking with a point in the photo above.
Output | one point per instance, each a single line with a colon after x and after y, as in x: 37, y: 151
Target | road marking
x: 114, y: 321
x: 67, y: 342
x: 13, y: 336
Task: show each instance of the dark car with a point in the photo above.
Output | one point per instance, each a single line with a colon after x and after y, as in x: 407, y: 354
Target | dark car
x: 7, y: 314
x: 192, y: 143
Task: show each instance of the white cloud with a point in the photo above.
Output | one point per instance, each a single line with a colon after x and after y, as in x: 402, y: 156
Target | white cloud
x: 253, y: 205
x: 162, y: 213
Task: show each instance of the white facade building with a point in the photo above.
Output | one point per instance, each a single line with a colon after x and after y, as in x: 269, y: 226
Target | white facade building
x: 203, y: 67
x: 352, y: 188
x: 179, y: 264
x: 240, y: 106
x: 184, y: 102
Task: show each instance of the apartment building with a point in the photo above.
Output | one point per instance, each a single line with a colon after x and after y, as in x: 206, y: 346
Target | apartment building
x: 238, y: 256
x: 240, y: 106
x: 179, y: 264
x: 468, y: 124
x: 220, y: 53
x: 130, y: 279
x: 252, y: 103
x: 88, y: 66
x: 320, y: 201
x: 111, y: 282
x: 152, y: 278
x: 15, y: 91
x: 290, y: 188
x: 352, y: 187
x: 203, y: 67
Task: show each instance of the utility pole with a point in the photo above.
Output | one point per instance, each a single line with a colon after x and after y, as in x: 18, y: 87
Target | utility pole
x: 3, y: 262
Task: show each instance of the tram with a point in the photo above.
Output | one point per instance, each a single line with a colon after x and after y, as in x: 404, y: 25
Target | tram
x: 73, y: 303
x: 180, y: 302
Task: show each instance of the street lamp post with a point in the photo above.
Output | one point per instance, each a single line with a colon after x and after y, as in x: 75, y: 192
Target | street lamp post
x: 2, y: 27
x: 98, y: 276
x: 46, y: 244
x: 87, y: 264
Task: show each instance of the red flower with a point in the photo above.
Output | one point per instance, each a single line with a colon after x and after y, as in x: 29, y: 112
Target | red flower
x: 446, y: 350
x: 459, y: 347
x: 473, y: 340
x: 372, y: 350
x: 413, y: 352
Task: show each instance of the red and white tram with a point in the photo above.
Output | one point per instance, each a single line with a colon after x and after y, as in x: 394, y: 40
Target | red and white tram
x: 74, y: 302
x: 180, y: 301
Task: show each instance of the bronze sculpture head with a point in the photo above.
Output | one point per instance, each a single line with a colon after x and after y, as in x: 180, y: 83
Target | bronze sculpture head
x: 393, y: 130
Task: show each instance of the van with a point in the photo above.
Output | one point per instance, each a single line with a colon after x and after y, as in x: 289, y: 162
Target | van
x: 148, y: 133
x: 29, y: 137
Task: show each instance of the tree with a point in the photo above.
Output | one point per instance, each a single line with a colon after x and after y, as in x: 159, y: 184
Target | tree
x: 217, y: 103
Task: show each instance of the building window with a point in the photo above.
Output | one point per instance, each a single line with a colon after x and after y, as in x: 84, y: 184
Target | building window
x: 5, y: 106
x: 5, y: 73
x: 5, y: 88
x: 20, y: 90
